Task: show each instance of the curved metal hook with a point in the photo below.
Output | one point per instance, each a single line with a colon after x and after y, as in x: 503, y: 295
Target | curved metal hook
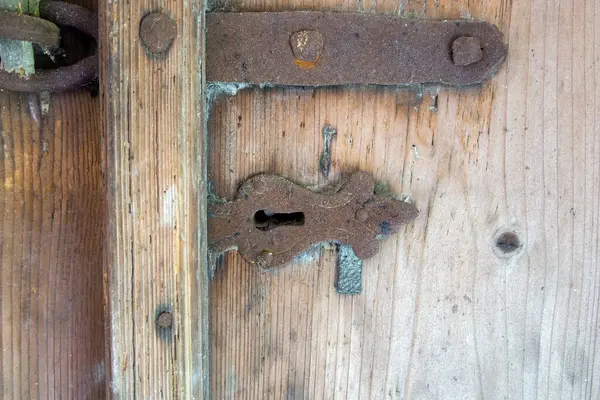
x: 62, y: 78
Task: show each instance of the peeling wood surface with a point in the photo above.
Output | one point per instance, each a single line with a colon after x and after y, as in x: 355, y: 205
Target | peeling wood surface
x: 155, y: 249
x: 444, y: 312
x: 51, y: 219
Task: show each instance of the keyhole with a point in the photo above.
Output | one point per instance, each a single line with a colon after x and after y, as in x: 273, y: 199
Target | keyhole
x: 266, y: 220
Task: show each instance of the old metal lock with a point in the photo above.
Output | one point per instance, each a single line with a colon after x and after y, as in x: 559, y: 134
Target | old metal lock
x: 272, y: 220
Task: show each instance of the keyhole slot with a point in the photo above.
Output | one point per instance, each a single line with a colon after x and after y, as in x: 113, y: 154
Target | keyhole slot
x: 266, y: 220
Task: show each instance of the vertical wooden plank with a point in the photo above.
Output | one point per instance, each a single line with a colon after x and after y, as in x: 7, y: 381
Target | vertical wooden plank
x: 444, y: 312
x: 51, y: 220
x: 51, y: 235
x: 155, y: 248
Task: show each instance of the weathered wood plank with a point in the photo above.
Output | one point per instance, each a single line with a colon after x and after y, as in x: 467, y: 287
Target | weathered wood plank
x: 52, y: 337
x: 444, y: 313
x: 155, y: 248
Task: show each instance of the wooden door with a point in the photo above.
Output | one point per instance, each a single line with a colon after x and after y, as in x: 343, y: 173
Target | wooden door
x: 493, y: 292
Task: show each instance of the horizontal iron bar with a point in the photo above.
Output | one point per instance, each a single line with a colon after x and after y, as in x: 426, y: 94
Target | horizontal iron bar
x: 307, y: 48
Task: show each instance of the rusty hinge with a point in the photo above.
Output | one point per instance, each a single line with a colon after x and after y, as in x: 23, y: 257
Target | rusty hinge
x: 324, y: 48
x: 272, y: 220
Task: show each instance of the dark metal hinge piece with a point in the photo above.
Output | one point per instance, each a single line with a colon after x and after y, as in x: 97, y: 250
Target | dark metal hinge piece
x: 309, y: 48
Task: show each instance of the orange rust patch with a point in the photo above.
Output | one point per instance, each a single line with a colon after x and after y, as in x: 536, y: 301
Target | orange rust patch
x: 306, y: 64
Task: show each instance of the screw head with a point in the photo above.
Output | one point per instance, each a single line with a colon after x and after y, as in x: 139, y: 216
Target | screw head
x: 164, y: 319
x: 157, y: 31
x: 307, y: 46
x: 466, y: 50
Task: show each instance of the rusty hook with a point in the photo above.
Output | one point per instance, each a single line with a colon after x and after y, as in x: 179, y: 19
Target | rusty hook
x: 63, y: 78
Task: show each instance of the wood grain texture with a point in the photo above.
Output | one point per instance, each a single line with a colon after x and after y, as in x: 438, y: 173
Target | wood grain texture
x: 444, y: 312
x: 155, y: 193
x: 52, y: 338
x: 52, y: 215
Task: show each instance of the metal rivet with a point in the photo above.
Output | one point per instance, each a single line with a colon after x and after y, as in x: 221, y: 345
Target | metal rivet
x: 466, y: 50
x: 265, y: 259
x: 307, y: 46
x: 362, y: 215
x: 164, y: 319
x: 157, y: 31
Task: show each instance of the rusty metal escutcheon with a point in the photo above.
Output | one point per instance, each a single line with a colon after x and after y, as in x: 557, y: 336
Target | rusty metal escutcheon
x: 322, y: 48
x: 62, y: 78
x: 272, y: 220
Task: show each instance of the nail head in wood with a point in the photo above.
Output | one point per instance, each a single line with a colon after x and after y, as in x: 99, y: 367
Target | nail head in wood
x: 508, y: 242
x: 157, y: 31
x: 164, y: 319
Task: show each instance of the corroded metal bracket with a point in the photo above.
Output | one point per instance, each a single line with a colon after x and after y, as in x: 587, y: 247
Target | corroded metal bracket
x: 323, y: 48
x: 301, y: 48
x: 46, y: 32
x: 272, y: 220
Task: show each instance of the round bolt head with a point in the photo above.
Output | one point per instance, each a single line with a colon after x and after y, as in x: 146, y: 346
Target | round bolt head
x: 466, y: 50
x: 307, y: 46
x: 165, y: 319
x: 157, y: 31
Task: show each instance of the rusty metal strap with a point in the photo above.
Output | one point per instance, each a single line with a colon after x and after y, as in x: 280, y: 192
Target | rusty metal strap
x: 29, y: 29
x: 320, y: 48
